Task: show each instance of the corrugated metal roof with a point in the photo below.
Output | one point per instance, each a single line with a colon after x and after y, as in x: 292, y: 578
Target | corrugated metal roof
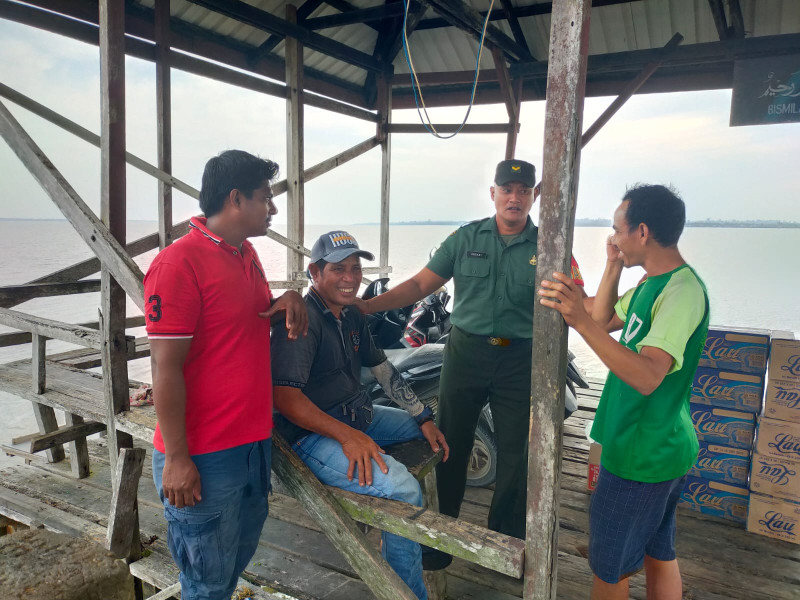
x: 635, y: 25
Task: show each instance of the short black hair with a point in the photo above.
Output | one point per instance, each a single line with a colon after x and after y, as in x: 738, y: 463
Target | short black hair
x: 660, y: 208
x: 320, y: 265
x: 233, y: 170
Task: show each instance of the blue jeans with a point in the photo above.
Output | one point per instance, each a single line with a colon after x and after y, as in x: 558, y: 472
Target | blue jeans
x: 212, y: 541
x: 325, y: 458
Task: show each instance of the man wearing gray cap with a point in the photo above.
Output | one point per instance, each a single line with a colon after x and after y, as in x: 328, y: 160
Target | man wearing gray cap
x: 492, y: 262
x: 323, y: 412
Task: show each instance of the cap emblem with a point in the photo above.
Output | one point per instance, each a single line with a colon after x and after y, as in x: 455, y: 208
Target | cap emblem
x: 341, y: 239
x: 515, y: 168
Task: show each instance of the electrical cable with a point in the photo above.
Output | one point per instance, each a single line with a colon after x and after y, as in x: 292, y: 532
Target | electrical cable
x: 417, y: 89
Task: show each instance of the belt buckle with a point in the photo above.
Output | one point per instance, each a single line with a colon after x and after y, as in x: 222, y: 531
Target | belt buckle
x: 497, y: 341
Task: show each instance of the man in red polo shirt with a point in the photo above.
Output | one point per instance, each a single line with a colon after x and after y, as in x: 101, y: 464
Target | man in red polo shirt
x: 209, y: 309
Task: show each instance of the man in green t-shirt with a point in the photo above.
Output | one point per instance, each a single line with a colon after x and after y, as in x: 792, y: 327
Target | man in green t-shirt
x: 642, y: 420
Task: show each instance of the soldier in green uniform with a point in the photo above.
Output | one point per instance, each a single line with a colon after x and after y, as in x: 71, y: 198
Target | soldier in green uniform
x: 492, y: 262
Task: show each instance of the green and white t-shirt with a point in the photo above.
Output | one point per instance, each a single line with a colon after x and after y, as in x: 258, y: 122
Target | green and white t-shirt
x: 651, y: 438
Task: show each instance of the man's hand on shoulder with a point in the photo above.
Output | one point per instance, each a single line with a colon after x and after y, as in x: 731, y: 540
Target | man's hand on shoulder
x: 291, y: 303
x: 180, y: 481
x: 361, y: 305
x: 435, y: 438
x: 361, y: 450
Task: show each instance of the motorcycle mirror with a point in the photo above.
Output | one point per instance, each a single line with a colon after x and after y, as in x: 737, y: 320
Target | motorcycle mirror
x: 376, y: 288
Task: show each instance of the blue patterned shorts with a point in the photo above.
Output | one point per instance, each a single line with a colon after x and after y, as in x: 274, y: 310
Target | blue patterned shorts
x: 628, y: 519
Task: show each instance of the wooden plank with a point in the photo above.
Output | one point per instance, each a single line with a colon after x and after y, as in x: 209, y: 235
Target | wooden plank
x: 67, y: 433
x: 78, y: 450
x: 17, y: 338
x: 720, y: 22
x: 331, y: 163
x: 38, y: 365
x: 336, y: 524
x: 74, y: 334
x: 123, y: 518
x: 295, y: 143
x: 631, y: 89
x: 17, y: 294
x: 93, y: 232
x: 163, y: 120
x: 569, y: 42
x: 736, y: 29
x: 435, y: 581
x: 46, y: 419
x: 516, y: 29
x: 451, y: 127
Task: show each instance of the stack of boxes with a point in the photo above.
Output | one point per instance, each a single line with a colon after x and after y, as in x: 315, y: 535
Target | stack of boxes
x: 726, y: 397
x: 775, y: 472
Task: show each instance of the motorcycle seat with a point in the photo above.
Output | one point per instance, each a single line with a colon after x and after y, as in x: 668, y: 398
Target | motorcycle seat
x: 406, y: 359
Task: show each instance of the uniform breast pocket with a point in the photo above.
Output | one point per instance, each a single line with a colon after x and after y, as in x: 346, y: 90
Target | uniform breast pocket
x: 475, y: 276
x: 522, y: 289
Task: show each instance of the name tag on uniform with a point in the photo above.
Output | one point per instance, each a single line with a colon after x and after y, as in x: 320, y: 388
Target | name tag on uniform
x: 474, y: 254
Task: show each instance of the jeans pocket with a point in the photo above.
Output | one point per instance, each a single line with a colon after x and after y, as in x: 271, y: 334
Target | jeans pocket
x: 194, y: 542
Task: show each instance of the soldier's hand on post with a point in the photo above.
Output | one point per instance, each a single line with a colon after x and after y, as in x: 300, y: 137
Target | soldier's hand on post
x: 565, y: 296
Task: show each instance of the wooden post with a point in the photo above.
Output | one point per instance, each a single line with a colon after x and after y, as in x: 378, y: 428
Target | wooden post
x: 124, y: 516
x: 78, y: 451
x: 45, y: 415
x: 384, y: 85
x: 336, y: 524
x: 295, y: 181
x: 566, y: 83
x: 163, y: 121
x: 435, y: 581
x: 512, y: 97
x: 113, y: 214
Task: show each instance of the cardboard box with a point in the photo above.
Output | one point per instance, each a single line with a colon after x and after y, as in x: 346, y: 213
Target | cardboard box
x: 778, y: 439
x: 730, y: 428
x: 783, y: 388
x: 775, y: 477
x: 720, y: 463
x: 728, y: 389
x: 716, y: 498
x: 593, y: 466
x: 774, y: 518
x: 736, y: 349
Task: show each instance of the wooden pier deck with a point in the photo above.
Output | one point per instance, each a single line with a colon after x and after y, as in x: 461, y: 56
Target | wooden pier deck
x: 718, y: 560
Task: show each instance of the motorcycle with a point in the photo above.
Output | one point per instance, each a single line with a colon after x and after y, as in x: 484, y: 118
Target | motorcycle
x: 413, y: 339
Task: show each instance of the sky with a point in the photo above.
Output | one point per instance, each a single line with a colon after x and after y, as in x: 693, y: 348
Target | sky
x: 682, y: 139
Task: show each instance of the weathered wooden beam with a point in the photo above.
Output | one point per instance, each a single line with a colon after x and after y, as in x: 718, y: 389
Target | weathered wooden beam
x: 566, y: 82
x: 336, y: 524
x: 451, y: 127
x: 736, y: 29
x: 470, y: 20
x: 46, y: 420
x: 123, y: 518
x: 631, y: 89
x: 395, y: 42
x: 63, y: 435
x: 347, y: 155
x: 362, y: 15
x: 384, y: 89
x: 506, y: 89
x: 38, y: 364
x: 511, y: 138
x: 93, y: 232
x: 516, y: 29
x: 17, y: 294
x: 295, y: 147
x: 476, y: 544
x: 303, y: 12
x: 74, y: 334
x: 78, y: 450
x: 436, y: 581
x: 113, y: 207
x: 445, y: 78
x: 184, y: 36
x: 24, y: 337
x: 261, y: 19
x: 721, y: 23
x: 163, y: 120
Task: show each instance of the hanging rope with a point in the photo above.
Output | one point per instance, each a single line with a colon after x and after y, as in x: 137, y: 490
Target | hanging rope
x: 415, y: 86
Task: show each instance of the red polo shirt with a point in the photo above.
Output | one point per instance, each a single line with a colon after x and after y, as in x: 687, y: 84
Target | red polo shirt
x: 202, y: 289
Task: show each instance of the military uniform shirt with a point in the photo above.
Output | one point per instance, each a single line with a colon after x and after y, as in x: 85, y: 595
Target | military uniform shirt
x: 494, y: 281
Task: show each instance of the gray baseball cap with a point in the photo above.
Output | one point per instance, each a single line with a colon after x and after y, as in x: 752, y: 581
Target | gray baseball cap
x: 335, y: 246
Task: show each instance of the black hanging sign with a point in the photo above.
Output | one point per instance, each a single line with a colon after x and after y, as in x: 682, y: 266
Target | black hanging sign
x: 766, y: 90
